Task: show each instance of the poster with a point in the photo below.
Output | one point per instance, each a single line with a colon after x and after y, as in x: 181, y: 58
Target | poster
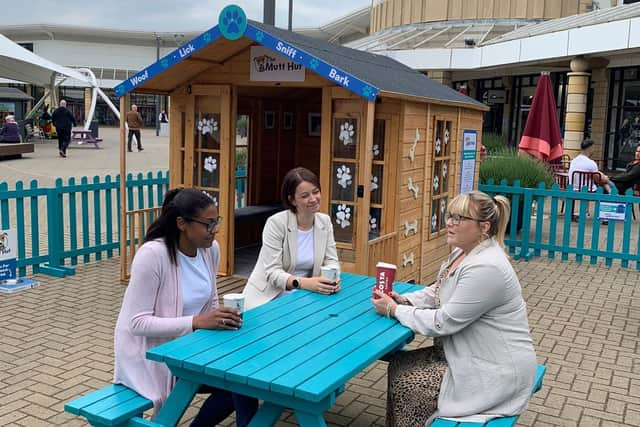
x: 8, y: 254
x: 268, y: 66
x: 612, y: 211
x: 468, y: 172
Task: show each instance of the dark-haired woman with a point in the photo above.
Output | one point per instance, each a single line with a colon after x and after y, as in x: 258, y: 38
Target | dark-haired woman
x: 172, y: 292
x: 295, y: 244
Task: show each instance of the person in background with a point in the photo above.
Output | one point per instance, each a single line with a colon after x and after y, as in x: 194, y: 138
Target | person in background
x: 482, y: 364
x: 295, y: 244
x: 63, y: 120
x: 172, y: 292
x: 583, y: 162
x: 631, y: 175
x: 163, y: 117
x: 135, y: 123
x: 10, y: 133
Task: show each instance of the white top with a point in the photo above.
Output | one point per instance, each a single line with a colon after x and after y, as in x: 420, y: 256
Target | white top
x: 582, y: 163
x: 304, y: 264
x: 194, y: 281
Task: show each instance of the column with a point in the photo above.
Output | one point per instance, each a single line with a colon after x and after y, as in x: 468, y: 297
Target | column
x: 578, y: 87
x: 87, y: 102
x: 443, y: 77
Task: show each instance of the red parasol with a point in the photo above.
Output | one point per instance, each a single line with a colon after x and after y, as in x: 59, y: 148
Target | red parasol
x: 541, y: 136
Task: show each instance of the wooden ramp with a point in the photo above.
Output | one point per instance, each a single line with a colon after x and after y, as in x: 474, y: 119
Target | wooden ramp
x: 230, y: 284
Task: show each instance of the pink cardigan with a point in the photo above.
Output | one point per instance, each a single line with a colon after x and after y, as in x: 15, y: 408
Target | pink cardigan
x: 151, y: 315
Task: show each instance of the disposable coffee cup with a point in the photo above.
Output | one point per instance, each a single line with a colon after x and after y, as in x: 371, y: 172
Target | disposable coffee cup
x: 385, y: 274
x: 234, y: 301
x: 330, y: 273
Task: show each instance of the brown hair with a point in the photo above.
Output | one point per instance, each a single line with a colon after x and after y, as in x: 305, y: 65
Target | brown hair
x: 494, y: 210
x: 291, y: 180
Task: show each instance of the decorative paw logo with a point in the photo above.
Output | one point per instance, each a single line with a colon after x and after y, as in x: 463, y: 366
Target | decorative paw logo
x: 438, y: 146
x: 259, y: 36
x: 164, y: 62
x: 207, y: 37
x: 445, y: 169
x: 344, y: 176
x: 367, y: 91
x: 436, y: 183
x: 346, y: 133
x: 446, y: 136
x: 210, y: 164
x: 119, y: 91
x: 343, y: 215
x: 434, y: 222
x: 232, y: 22
x: 376, y: 150
x: 373, y: 224
x: 313, y: 64
x: 443, y: 206
x: 374, y: 183
x: 207, y: 126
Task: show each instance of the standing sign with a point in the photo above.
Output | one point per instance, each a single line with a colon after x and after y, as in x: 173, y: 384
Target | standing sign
x: 468, y: 173
x: 8, y: 254
x: 268, y: 66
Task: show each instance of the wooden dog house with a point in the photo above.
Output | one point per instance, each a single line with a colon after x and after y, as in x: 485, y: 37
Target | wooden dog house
x: 385, y: 140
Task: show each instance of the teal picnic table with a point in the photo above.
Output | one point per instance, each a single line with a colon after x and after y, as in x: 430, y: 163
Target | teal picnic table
x: 294, y: 352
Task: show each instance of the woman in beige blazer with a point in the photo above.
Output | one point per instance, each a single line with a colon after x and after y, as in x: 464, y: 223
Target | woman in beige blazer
x: 295, y: 244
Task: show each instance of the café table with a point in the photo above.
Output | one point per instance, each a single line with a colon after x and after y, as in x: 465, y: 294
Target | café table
x: 295, y: 352
x: 82, y: 136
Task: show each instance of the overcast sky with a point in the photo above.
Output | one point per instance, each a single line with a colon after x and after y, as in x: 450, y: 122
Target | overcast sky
x: 167, y: 15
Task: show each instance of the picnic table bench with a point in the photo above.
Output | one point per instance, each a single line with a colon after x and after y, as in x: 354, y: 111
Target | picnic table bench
x: 294, y: 352
x: 82, y: 136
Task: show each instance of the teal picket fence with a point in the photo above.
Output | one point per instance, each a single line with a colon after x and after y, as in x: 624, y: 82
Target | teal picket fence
x: 547, y: 226
x: 74, y: 221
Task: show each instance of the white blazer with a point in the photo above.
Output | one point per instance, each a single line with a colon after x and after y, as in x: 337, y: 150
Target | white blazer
x: 278, y: 256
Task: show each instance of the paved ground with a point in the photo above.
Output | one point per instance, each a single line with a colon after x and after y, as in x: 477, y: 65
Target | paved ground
x: 56, y: 343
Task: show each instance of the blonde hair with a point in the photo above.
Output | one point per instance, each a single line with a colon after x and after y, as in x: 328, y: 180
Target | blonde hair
x: 480, y: 206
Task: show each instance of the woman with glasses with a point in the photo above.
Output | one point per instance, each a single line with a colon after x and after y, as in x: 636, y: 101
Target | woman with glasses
x: 295, y: 244
x: 172, y: 292
x: 482, y: 364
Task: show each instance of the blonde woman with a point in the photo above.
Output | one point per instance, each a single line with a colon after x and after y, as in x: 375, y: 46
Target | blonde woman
x: 483, y: 363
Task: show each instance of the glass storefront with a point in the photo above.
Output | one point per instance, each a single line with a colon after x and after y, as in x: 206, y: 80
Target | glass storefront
x: 623, y: 121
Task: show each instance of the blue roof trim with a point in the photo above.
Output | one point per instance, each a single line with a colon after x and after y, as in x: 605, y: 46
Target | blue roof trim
x: 324, y: 69
x: 178, y: 55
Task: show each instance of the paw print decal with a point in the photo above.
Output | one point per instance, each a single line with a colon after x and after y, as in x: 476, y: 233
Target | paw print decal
x: 446, y: 136
x: 343, y: 215
x: 119, y: 91
x: 164, y: 62
x: 373, y: 223
x: 367, y: 91
x: 436, y: 183
x: 212, y: 197
x: 207, y: 37
x: 434, y: 222
x: 438, y: 146
x: 344, y: 176
x: 259, y: 36
x: 376, y: 150
x: 313, y: 64
x: 443, y: 206
x: 374, y: 183
x: 445, y: 169
x: 232, y: 22
x: 210, y: 164
x: 207, y: 126
x: 346, y: 133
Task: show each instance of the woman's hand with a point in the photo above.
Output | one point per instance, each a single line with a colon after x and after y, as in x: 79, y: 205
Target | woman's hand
x: 384, y: 304
x: 320, y: 285
x: 402, y: 300
x: 220, y: 318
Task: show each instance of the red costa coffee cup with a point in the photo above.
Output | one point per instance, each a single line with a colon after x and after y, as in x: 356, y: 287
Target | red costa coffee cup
x: 385, y: 274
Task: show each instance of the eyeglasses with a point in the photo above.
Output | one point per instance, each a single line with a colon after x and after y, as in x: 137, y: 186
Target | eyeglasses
x: 456, y: 219
x: 210, y: 225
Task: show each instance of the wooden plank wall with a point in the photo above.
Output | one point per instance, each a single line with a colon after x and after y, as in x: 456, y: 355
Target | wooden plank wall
x: 390, y: 13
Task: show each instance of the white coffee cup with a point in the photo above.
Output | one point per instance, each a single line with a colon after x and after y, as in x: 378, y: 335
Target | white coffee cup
x: 330, y: 273
x: 234, y: 301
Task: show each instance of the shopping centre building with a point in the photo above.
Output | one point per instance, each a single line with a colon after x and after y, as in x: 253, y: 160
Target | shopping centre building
x: 492, y: 50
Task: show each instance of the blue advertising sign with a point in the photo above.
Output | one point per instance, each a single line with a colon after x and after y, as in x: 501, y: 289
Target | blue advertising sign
x: 181, y: 53
x: 318, y: 66
x: 468, y: 167
x: 8, y: 254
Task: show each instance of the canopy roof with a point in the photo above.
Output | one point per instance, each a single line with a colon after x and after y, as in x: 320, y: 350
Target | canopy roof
x: 365, y: 74
x: 13, y: 93
x: 17, y: 63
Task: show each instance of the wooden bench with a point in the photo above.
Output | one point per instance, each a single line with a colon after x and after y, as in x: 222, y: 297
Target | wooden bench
x: 496, y: 422
x: 112, y: 406
x: 13, y: 151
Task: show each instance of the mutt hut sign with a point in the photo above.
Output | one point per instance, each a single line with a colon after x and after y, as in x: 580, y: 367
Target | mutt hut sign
x: 8, y: 254
x: 267, y: 66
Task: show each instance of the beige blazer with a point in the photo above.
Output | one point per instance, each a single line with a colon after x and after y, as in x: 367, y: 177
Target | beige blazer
x: 278, y: 256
